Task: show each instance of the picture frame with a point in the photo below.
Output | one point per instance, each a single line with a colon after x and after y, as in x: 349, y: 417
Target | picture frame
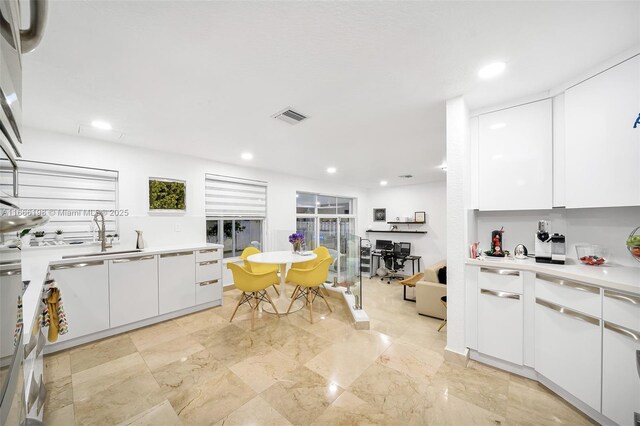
x: 420, y: 217
x: 167, y: 195
x: 379, y: 215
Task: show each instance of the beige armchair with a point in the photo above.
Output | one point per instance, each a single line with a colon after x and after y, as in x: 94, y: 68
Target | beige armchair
x: 429, y: 291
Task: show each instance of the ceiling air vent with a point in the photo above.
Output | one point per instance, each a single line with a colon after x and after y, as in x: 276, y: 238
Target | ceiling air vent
x: 289, y: 116
x: 405, y: 176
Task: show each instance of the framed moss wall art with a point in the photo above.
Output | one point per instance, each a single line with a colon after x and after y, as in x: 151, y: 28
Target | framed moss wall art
x: 167, y: 195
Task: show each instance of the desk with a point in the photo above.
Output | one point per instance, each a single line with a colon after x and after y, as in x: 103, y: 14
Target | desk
x: 413, y: 260
x: 281, y: 258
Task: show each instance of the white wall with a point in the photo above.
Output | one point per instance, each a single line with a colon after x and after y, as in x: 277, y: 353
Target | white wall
x: 403, y: 201
x: 136, y: 165
x: 607, y: 227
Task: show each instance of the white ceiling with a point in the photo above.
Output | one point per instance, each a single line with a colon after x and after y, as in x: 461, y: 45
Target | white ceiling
x: 204, y: 78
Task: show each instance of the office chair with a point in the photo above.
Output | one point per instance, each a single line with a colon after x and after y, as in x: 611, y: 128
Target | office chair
x: 394, y: 261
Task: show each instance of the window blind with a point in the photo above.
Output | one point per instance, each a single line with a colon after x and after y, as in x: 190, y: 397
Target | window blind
x: 70, y: 194
x: 234, y: 197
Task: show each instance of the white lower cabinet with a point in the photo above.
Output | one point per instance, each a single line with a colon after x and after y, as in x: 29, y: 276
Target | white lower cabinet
x: 208, y: 291
x: 568, y: 350
x: 621, y: 374
x: 500, y: 332
x: 84, y: 287
x: 133, y: 289
x: 176, y: 276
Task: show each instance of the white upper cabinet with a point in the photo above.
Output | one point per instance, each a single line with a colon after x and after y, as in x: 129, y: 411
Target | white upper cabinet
x: 515, y: 169
x: 602, y: 148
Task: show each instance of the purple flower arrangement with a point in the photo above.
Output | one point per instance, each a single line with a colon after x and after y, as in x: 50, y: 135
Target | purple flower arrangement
x: 296, y: 240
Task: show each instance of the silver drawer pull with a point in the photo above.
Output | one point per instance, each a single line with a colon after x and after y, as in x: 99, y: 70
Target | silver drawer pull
x: 208, y: 251
x: 77, y: 265
x: 568, y: 312
x: 203, y: 283
x: 132, y: 259
x: 635, y: 335
x: 210, y: 262
x: 634, y: 300
x: 181, y: 253
x: 10, y: 272
x: 638, y: 362
x: 571, y: 284
x: 501, y: 271
x: 502, y: 294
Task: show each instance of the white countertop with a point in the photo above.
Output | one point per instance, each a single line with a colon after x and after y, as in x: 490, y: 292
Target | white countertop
x: 35, y: 265
x: 611, y: 276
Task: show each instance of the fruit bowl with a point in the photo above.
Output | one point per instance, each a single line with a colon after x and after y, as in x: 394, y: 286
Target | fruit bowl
x: 633, y: 243
x: 591, y: 255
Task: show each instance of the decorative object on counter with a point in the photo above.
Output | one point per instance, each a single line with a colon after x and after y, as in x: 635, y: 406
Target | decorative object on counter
x: 167, y: 195
x: 296, y: 239
x: 420, y: 217
x: 590, y: 254
x: 393, y: 228
x: 496, y: 244
x: 633, y: 243
x: 520, y: 252
x: 139, y: 240
x: 59, y: 236
x: 39, y: 237
x: 473, y: 250
x: 550, y: 248
x: 379, y: 215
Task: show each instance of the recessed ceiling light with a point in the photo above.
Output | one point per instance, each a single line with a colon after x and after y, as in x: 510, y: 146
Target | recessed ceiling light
x: 102, y: 125
x: 497, y: 126
x: 492, y: 70
x: 246, y: 156
x: 383, y: 183
x: 331, y: 170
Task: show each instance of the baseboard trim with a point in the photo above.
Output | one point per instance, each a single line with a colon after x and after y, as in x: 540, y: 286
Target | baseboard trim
x: 457, y: 358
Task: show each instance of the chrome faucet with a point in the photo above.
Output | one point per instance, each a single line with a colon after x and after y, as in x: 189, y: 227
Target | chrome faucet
x: 101, y: 231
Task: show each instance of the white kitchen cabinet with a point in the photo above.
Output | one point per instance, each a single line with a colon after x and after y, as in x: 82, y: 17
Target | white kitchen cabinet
x: 568, y: 350
x: 176, y: 277
x: 500, y: 328
x: 208, y: 291
x: 205, y: 255
x: 84, y: 287
x: 515, y: 166
x: 602, y: 149
x: 133, y: 285
x: 621, y: 374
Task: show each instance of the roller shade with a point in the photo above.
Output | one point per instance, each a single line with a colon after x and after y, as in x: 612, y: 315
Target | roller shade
x: 235, y: 197
x: 69, y: 193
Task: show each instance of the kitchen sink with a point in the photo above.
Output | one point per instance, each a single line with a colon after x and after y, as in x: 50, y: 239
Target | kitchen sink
x: 102, y: 253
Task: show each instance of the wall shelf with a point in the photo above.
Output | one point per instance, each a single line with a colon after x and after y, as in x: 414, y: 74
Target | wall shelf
x: 406, y: 223
x: 397, y: 232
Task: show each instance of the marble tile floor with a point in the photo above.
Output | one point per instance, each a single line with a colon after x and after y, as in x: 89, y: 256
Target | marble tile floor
x: 202, y: 370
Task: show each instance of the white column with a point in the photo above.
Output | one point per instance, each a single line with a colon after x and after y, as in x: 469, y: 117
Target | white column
x: 457, y: 220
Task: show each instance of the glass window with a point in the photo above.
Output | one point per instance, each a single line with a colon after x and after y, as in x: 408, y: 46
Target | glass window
x: 237, y: 234
x: 345, y: 205
x: 307, y: 226
x: 326, y: 205
x: 305, y: 203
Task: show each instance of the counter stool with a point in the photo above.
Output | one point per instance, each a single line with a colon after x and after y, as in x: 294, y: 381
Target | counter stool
x: 443, y: 300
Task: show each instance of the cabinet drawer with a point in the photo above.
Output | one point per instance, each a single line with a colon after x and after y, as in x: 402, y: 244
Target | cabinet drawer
x: 208, y: 270
x: 205, y: 255
x: 572, y: 294
x: 208, y: 291
x: 500, y: 279
x: 621, y: 308
x: 500, y: 325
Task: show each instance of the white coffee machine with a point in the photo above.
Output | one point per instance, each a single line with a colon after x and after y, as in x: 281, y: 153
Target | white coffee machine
x: 550, y: 248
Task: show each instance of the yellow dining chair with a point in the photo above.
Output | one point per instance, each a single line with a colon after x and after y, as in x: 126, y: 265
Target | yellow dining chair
x: 254, y: 288
x: 308, y: 284
x: 258, y: 267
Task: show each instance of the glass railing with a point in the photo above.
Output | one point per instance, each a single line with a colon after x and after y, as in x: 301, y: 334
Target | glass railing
x: 352, y: 276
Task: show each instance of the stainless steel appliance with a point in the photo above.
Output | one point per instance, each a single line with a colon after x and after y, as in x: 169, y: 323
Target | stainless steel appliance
x: 550, y: 248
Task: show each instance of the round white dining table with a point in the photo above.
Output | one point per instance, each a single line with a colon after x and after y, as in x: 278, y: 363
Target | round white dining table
x: 282, y: 258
